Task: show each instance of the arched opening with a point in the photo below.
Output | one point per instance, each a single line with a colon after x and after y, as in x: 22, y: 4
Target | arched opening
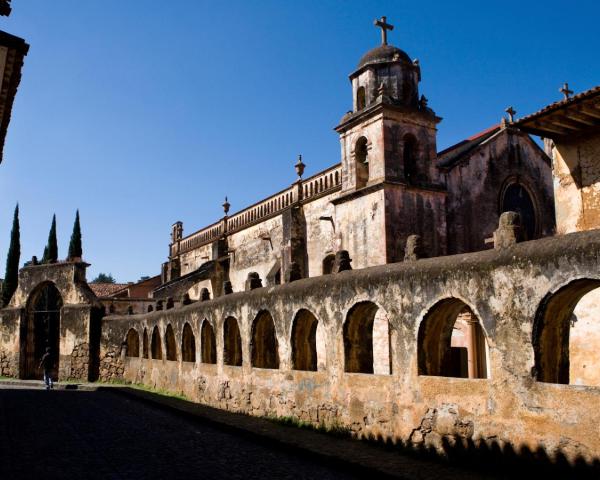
x: 367, y: 340
x: 566, y: 335
x: 145, y: 344
x: 361, y: 162
x: 516, y: 198
x: 232, y: 343
x: 304, y: 341
x: 43, y: 330
x: 208, y: 343
x: 156, y: 344
x: 361, y: 101
x: 133, y: 343
x: 328, y: 263
x: 264, y: 346
x: 171, y: 344
x: 409, y: 156
x: 451, y: 342
x: 188, y: 344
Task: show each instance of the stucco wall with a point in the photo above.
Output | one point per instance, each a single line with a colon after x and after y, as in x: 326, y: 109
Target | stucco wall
x: 503, y: 289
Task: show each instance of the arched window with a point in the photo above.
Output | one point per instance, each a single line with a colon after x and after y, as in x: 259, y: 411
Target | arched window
x: 208, y: 343
x: 145, y: 344
x: 133, y: 343
x: 566, y: 335
x: 361, y: 162
x: 188, y: 344
x: 304, y: 341
x: 361, y: 101
x: 328, y: 263
x: 516, y: 198
x: 451, y: 342
x: 264, y: 344
x: 156, y: 345
x: 232, y: 343
x: 409, y: 155
x: 171, y: 344
x: 366, y: 340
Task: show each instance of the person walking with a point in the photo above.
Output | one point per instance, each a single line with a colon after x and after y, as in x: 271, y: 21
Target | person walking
x: 46, y: 364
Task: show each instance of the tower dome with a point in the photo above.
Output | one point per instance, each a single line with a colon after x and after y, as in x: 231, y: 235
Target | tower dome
x: 383, y: 54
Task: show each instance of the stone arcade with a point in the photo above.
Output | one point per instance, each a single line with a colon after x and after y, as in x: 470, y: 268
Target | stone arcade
x: 317, y: 302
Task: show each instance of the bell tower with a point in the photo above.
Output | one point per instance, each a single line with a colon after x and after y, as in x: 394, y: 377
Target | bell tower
x: 388, y: 143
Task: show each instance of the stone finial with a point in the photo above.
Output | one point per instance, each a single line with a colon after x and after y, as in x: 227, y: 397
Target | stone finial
x: 293, y: 273
x: 204, y: 294
x: 186, y: 300
x: 253, y: 281
x: 227, y: 287
x: 414, y: 248
x: 511, y: 114
x: 509, y: 230
x: 382, y: 23
x: 226, y: 206
x: 299, y: 167
x: 342, y: 261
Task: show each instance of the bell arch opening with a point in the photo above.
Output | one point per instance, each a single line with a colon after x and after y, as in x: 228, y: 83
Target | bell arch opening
x: 208, y: 343
x: 361, y: 162
x: 232, y: 343
x: 264, y: 346
x: 367, y: 340
x: 361, y: 98
x: 42, y: 331
x: 451, y: 342
x: 566, y: 335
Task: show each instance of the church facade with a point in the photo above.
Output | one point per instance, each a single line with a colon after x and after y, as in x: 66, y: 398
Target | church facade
x: 392, y: 184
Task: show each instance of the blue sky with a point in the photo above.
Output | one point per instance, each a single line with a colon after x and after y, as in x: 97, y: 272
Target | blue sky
x: 144, y: 112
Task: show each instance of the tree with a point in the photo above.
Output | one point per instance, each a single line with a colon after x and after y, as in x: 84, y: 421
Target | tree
x: 103, y: 278
x: 75, y: 249
x: 51, y: 250
x: 11, y: 278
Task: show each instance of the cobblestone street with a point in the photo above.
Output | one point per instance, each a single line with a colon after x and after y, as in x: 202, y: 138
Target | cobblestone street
x: 78, y: 434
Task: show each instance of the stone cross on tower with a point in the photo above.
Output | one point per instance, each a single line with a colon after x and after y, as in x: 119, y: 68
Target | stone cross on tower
x: 565, y: 91
x: 382, y: 23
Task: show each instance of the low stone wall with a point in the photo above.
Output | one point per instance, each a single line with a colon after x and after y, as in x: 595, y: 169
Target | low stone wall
x: 505, y: 291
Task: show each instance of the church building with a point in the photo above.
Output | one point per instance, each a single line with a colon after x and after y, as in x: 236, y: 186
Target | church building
x: 393, y: 196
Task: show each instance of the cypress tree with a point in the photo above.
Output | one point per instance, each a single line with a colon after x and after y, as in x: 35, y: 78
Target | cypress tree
x: 51, y: 250
x: 75, y: 249
x: 11, y: 277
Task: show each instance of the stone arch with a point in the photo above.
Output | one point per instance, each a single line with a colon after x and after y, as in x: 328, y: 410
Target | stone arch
x: 328, y: 263
x: 366, y: 340
x: 170, y: 343
x: 208, y: 343
x: 361, y: 162
x: 555, y: 320
x: 145, y: 344
x: 264, y: 346
x: 361, y: 98
x: 43, y: 316
x: 188, y: 344
x: 133, y: 343
x: 304, y: 341
x: 156, y: 344
x: 451, y: 341
x: 410, y: 157
x: 515, y: 196
x: 232, y: 343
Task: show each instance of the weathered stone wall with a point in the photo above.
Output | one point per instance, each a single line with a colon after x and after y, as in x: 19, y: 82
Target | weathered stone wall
x: 504, y: 289
x: 576, y: 183
x: 476, y: 183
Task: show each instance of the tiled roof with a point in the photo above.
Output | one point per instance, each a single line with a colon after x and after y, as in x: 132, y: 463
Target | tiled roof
x: 565, y: 101
x: 106, y: 289
x: 448, y: 157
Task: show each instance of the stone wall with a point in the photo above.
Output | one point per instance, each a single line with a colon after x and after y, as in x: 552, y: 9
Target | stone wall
x: 507, y: 291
